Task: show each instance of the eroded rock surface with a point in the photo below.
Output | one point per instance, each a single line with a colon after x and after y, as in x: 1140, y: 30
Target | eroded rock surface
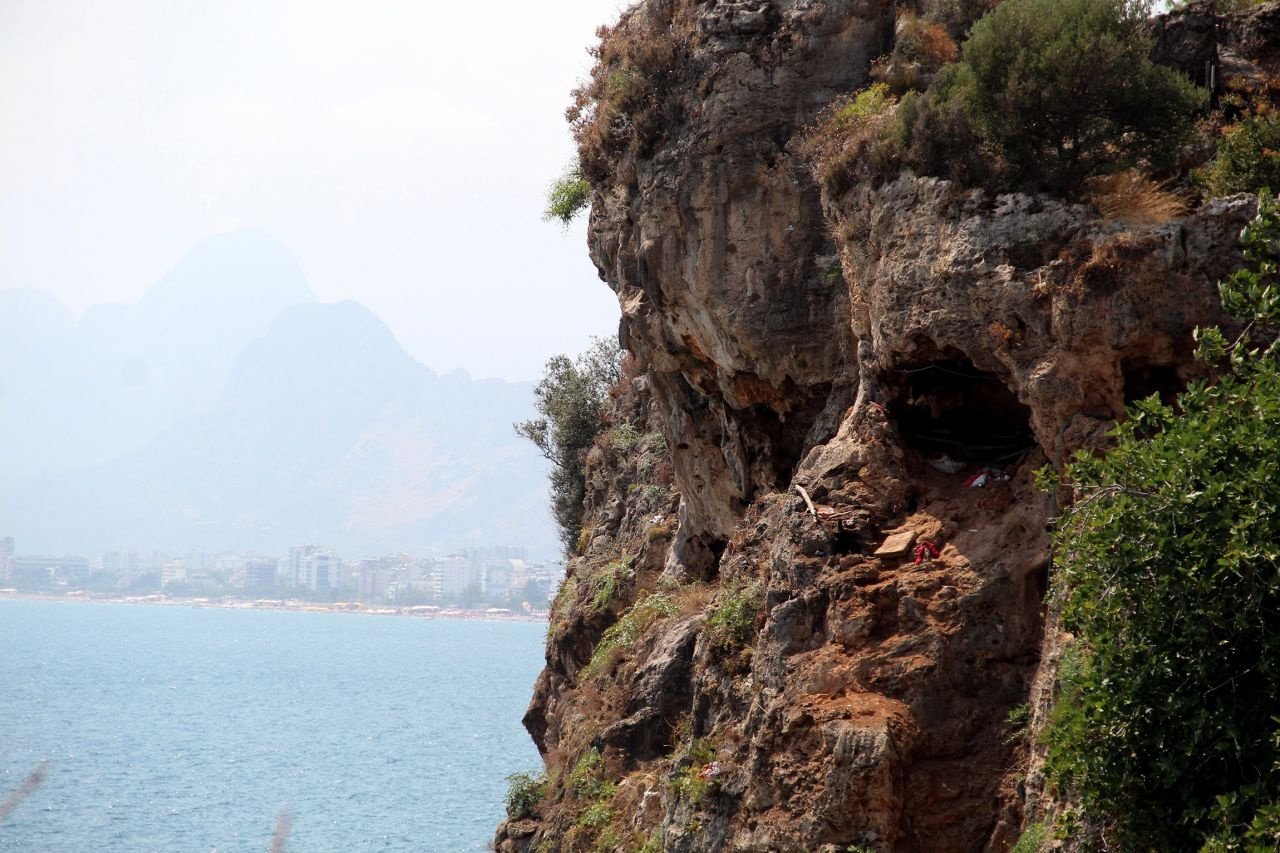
x: 827, y: 372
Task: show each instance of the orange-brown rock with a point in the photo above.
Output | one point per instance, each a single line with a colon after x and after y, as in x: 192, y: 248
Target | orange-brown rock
x: 908, y: 354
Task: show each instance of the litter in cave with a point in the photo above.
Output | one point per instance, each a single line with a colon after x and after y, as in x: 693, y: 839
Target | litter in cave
x: 985, y: 476
x: 926, y: 550
x: 947, y: 465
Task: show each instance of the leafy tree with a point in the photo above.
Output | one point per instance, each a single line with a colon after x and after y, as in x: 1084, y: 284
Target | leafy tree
x: 1170, y: 579
x: 570, y: 398
x: 1065, y: 88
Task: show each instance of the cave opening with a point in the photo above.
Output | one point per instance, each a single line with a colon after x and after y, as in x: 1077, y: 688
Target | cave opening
x: 1141, y: 380
x: 949, y: 408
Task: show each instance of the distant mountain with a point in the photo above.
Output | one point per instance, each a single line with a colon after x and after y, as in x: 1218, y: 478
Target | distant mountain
x: 325, y: 430
x: 73, y: 394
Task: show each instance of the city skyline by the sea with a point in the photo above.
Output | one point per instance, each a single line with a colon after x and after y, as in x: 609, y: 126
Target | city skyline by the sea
x: 492, y: 577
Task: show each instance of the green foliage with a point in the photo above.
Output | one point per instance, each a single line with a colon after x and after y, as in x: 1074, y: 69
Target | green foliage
x: 657, y: 532
x: 687, y: 781
x: 587, y: 777
x: 1017, y: 720
x: 931, y: 134
x: 1032, y: 838
x: 1065, y: 88
x: 598, y: 815
x: 854, y: 112
x: 732, y: 625
x: 568, y: 195
x: 625, y: 437
x: 622, y: 635
x: 1248, y: 157
x: 524, y: 792
x: 1170, y: 580
x: 1261, y: 835
x: 623, y: 106
x: 652, y: 844
x: 570, y: 399
x: 605, y: 582
x: 838, y: 144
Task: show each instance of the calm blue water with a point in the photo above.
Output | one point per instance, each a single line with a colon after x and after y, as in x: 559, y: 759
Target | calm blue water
x: 180, y: 729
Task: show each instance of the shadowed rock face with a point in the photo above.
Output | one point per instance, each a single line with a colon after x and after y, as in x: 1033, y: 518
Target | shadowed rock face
x: 810, y: 361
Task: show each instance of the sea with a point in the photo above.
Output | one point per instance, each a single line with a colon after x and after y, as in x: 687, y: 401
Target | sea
x: 169, y: 728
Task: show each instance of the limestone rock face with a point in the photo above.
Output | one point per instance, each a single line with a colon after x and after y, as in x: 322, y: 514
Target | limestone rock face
x: 721, y: 262
x: 828, y: 373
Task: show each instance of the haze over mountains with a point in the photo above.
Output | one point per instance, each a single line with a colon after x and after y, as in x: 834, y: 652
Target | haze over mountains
x: 227, y: 409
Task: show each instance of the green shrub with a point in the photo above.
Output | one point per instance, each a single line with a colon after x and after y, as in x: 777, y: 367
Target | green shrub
x: 651, y: 844
x: 1248, y: 157
x: 930, y: 133
x: 623, y: 634
x: 837, y: 144
x: 1032, y: 839
x: 956, y: 15
x: 599, y: 814
x: 570, y: 399
x: 568, y: 195
x: 732, y: 625
x: 624, y: 105
x: 687, y: 781
x: 625, y: 437
x: 587, y: 777
x: 605, y: 582
x: 524, y: 792
x: 1170, y: 580
x: 1261, y: 835
x: 1065, y: 88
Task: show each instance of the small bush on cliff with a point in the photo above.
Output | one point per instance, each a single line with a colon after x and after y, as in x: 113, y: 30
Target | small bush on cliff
x: 524, y: 792
x: 622, y: 635
x: 571, y: 398
x: 568, y: 196
x: 844, y: 139
x: 1065, y: 88
x: 732, y: 626
x: 1248, y: 157
x: 1170, y: 580
x: 605, y: 582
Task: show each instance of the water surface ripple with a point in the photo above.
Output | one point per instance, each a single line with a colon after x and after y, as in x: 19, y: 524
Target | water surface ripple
x: 188, y: 729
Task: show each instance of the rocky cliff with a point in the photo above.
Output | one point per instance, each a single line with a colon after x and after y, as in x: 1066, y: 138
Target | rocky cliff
x: 813, y: 616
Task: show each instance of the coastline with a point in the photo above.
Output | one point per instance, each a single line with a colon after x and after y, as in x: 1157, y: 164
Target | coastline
x: 285, y: 604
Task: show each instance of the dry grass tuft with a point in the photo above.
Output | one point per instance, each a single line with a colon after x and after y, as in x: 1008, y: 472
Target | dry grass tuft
x: 1136, y: 199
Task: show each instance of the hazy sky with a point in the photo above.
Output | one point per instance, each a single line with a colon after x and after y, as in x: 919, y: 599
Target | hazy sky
x: 401, y: 150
